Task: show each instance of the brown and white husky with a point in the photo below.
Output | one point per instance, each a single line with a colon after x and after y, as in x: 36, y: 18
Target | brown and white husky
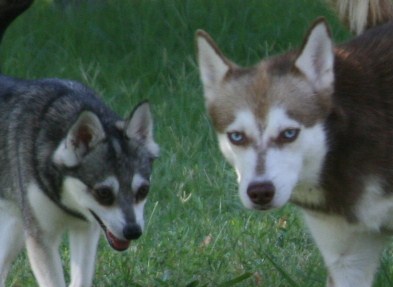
x: 315, y: 127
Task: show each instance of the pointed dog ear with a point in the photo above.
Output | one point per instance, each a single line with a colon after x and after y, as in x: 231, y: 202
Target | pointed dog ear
x: 83, y: 135
x: 316, y: 59
x: 213, y: 65
x: 139, y: 127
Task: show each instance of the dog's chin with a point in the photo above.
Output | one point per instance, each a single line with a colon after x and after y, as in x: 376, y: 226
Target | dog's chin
x: 265, y: 207
x: 271, y: 206
x: 114, y: 242
x: 252, y: 206
x: 262, y: 207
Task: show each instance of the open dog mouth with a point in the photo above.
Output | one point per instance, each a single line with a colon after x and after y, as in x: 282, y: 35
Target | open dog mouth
x: 114, y: 242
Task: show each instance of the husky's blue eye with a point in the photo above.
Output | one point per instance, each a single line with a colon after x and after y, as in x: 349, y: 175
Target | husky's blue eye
x: 237, y: 138
x: 288, y: 135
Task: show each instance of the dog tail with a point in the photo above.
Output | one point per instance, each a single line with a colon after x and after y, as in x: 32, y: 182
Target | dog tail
x: 359, y: 15
x: 9, y: 10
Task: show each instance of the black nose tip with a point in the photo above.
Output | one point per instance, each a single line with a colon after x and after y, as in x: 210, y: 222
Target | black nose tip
x: 261, y: 193
x: 132, y: 231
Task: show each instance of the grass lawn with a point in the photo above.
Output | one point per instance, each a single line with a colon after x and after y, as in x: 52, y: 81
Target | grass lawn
x: 197, y: 232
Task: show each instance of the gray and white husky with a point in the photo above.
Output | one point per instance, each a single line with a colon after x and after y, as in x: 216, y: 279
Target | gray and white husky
x: 315, y: 127
x: 69, y: 163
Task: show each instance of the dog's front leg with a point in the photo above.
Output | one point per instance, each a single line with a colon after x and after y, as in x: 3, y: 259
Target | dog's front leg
x: 83, y: 242
x: 45, y: 259
x: 351, y: 253
x: 11, y: 237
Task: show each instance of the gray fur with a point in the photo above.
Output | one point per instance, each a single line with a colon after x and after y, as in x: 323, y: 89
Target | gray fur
x: 36, y: 117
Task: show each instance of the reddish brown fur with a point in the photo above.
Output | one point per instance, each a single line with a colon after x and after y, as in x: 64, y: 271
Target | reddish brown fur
x: 272, y: 82
x: 361, y: 125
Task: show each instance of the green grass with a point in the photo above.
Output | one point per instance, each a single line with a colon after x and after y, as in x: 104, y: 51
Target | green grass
x: 197, y: 233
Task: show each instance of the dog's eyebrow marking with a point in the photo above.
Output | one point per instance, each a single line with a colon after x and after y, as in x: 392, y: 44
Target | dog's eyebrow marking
x: 244, y: 121
x: 137, y: 181
x: 277, y: 120
x: 112, y: 182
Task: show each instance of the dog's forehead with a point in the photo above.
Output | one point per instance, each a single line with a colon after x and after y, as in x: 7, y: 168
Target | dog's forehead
x: 272, y: 83
x: 134, y: 155
x: 128, y: 157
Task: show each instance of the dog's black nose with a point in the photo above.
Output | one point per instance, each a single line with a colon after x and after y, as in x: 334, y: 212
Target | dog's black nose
x: 132, y: 231
x: 261, y: 193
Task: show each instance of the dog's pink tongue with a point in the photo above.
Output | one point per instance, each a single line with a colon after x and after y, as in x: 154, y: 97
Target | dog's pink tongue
x: 116, y: 243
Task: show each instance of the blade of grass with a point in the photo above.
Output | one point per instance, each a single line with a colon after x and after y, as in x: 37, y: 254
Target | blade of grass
x: 281, y: 270
x: 236, y: 280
